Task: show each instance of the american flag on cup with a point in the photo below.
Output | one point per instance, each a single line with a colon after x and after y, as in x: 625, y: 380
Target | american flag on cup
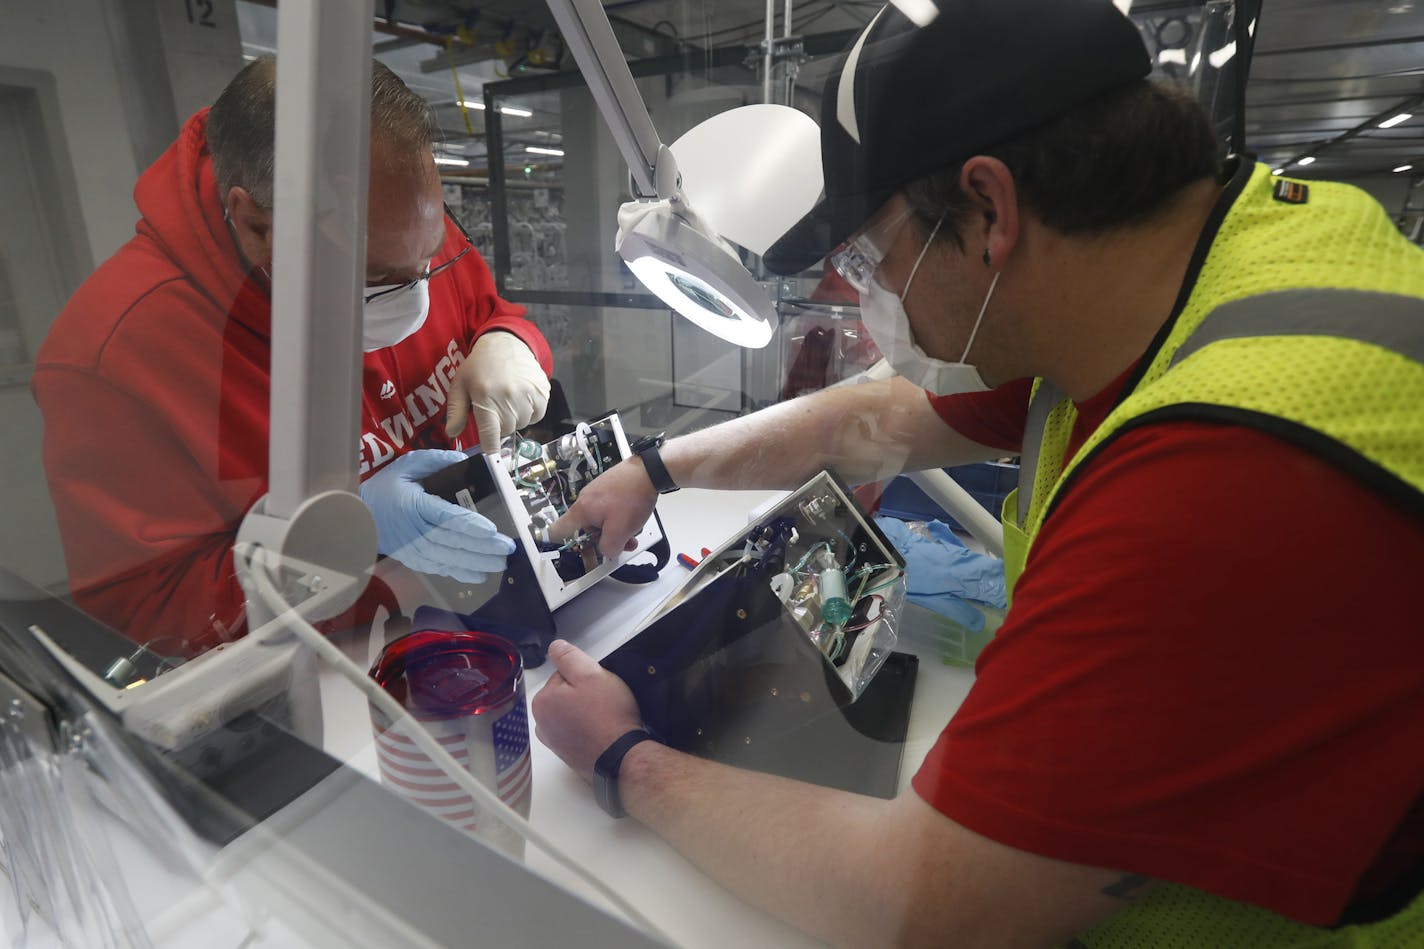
x: 421, y: 781
x: 466, y: 689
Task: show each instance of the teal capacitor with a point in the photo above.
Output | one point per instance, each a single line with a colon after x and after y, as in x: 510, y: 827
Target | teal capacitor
x: 835, y: 607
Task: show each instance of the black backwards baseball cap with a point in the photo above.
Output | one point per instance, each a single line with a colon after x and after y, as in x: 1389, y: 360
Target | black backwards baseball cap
x: 909, y: 100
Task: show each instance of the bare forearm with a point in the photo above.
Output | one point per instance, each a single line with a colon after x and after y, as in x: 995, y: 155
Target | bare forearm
x: 853, y: 870
x: 783, y: 846
x: 864, y: 433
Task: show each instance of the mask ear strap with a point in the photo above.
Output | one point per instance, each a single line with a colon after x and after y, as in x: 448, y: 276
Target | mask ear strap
x: 924, y: 250
x: 982, y: 310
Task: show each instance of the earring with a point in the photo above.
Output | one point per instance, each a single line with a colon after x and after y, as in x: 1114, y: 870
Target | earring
x: 987, y: 261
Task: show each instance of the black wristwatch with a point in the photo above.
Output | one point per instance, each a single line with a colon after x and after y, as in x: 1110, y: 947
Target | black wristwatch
x: 605, y: 771
x: 646, y: 448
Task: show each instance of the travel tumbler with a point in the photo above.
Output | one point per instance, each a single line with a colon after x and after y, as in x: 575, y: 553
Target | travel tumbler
x: 467, y: 690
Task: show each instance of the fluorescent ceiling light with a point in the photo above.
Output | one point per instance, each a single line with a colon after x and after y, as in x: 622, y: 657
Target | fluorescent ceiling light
x: 1222, y: 56
x: 540, y: 150
x: 1178, y: 56
x: 1403, y: 168
x: 1278, y: 171
x: 503, y: 110
x: 1307, y: 160
x: 446, y: 160
x: 1401, y: 117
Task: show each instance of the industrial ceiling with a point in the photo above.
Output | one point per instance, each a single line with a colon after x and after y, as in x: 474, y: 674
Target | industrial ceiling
x: 1326, y: 75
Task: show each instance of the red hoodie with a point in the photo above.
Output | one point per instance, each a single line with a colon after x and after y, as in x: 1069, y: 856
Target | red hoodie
x: 154, y: 386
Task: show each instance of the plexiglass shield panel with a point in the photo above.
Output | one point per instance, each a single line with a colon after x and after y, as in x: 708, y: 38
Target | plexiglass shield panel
x: 217, y: 716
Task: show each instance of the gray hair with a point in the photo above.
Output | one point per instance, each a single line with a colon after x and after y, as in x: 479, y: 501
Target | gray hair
x: 242, y: 122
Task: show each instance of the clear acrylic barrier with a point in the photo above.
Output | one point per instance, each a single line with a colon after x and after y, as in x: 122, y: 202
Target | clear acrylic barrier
x: 133, y: 458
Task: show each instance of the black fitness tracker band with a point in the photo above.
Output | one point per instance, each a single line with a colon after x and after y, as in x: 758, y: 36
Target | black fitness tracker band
x: 605, y: 771
x: 646, y: 448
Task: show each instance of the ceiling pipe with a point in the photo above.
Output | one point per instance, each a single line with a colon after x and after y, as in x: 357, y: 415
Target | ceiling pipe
x: 381, y: 25
x: 1405, y: 105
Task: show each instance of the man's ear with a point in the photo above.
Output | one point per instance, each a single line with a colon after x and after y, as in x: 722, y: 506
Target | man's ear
x: 993, y: 228
x: 251, y: 225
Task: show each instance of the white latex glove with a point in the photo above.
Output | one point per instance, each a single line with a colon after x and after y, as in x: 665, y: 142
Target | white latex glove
x: 502, y: 384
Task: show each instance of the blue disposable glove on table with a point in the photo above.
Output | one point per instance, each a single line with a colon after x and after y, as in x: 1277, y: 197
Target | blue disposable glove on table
x: 941, y: 573
x: 428, y: 533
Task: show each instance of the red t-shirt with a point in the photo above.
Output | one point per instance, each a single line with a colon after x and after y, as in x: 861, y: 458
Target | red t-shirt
x: 1212, y: 674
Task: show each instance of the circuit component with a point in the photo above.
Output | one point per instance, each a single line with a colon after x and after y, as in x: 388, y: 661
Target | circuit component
x: 819, y: 508
x: 548, y: 479
x: 831, y: 586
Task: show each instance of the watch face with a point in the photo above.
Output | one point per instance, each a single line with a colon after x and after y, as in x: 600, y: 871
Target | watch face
x: 603, y: 793
x: 644, y: 442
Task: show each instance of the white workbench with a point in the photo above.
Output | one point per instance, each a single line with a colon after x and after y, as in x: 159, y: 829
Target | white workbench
x: 690, y: 908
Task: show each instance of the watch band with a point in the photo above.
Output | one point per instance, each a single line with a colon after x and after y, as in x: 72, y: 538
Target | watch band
x: 605, y: 771
x: 657, y: 471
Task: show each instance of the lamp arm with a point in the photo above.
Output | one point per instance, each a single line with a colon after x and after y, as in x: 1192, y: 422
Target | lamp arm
x: 590, y: 39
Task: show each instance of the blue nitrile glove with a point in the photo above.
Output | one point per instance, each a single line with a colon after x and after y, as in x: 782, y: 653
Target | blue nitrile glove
x: 428, y: 533
x: 940, y: 572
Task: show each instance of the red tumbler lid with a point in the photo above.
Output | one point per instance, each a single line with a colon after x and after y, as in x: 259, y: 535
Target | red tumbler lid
x: 440, y: 674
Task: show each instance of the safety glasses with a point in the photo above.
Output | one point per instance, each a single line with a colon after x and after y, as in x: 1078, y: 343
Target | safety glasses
x: 860, y: 257
x: 431, y: 271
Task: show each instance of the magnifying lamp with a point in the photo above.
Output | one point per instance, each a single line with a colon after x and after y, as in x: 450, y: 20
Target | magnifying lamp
x: 746, y: 175
x: 698, y: 278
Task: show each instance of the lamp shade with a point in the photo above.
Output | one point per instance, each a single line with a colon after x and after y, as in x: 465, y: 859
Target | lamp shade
x: 751, y: 172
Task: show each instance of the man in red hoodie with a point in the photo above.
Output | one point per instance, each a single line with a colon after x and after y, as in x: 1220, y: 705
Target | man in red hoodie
x: 154, y: 380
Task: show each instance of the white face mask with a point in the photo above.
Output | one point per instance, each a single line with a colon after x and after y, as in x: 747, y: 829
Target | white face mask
x: 393, y: 315
x: 884, y: 315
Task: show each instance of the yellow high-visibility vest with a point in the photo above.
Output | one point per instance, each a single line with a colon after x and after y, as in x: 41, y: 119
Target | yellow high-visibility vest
x: 1305, y: 321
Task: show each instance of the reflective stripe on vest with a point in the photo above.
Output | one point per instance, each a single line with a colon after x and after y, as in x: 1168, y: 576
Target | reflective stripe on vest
x: 1046, y: 404
x: 1383, y: 320
x: 1386, y: 320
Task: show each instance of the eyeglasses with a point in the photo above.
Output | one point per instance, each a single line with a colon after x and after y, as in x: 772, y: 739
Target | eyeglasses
x: 431, y: 271
x: 858, y: 260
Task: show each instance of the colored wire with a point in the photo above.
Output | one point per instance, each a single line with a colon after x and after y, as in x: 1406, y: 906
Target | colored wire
x: 880, y: 586
x: 460, y: 93
x: 864, y: 575
x: 810, y: 553
x: 850, y: 546
x: 869, y: 622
